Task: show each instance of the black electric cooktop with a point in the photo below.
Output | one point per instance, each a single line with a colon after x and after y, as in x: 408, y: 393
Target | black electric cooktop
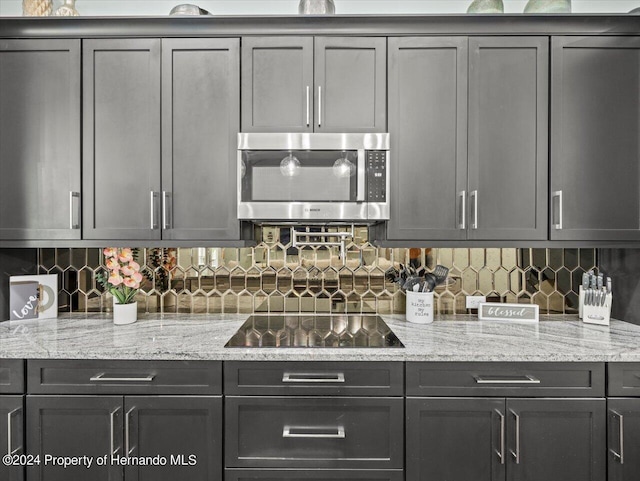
x: 314, y: 331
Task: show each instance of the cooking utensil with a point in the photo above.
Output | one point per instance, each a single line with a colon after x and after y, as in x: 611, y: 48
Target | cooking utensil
x: 430, y: 282
x: 411, y: 283
x: 441, y: 273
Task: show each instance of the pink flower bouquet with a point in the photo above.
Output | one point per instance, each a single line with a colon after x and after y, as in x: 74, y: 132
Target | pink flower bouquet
x: 124, y: 274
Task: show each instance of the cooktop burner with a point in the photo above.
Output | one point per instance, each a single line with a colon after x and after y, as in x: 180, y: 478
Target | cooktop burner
x: 314, y: 331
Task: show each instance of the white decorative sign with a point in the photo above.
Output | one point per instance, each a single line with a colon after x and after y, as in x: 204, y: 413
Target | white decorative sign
x: 493, y: 311
x: 45, y: 291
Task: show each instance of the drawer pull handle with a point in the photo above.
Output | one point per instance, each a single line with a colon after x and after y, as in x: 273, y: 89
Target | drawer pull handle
x: 10, y: 450
x: 619, y: 456
x: 101, y: 378
x: 313, y: 377
x: 526, y: 379
x: 313, y: 432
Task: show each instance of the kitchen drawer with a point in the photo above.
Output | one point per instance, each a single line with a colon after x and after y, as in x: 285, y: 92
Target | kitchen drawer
x: 505, y: 379
x: 623, y: 379
x: 314, y: 378
x: 12, y: 376
x: 317, y: 475
x: 305, y: 432
x: 124, y: 377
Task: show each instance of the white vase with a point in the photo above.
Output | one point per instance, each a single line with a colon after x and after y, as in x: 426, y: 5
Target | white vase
x: 486, y: 6
x: 125, y: 313
x: 548, y: 6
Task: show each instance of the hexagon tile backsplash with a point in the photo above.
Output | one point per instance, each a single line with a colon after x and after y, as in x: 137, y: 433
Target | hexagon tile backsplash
x: 275, y: 277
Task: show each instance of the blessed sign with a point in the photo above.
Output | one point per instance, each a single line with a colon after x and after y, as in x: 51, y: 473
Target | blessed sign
x: 493, y: 311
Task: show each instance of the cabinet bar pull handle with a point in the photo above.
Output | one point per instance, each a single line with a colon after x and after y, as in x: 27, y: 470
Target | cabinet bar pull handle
x: 308, y: 105
x: 516, y: 454
x: 74, y: 224
x: 101, y: 378
x: 526, y: 379
x: 474, y: 195
x: 313, y: 432
x: 319, y: 106
x: 112, y: 444
x: 463, y: 207
x: 10, y: 450
x: 312, y: 377
x: 154, y: 219
x: 166, y: 211
x: 127, y: 433
x: 619, y: 456
x: 557, y: 195
x: 501, y: 452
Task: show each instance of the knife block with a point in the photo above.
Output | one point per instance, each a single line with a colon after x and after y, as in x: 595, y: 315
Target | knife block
x: 600, y: 315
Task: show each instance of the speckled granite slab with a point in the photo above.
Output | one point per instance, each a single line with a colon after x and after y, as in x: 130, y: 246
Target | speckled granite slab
x: 193, y: 337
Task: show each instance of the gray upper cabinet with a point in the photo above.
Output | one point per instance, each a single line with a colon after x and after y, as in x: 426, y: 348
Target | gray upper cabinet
x: 200, y: 122
x: 508, y: 138
x: 498, y: 189
x: 121, y: 148
x: 595, y: 140
x: 302, y: 84
x: 277, y: 84
x: 350, y: 84
x: 39, y: 139
x: 428, y: 128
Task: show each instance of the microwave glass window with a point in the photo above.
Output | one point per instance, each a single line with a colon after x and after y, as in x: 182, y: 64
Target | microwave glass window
x: 299, y: 176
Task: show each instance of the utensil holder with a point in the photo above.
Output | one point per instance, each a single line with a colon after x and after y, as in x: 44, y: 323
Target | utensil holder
x: 600, y: 315
x: 419, y: 307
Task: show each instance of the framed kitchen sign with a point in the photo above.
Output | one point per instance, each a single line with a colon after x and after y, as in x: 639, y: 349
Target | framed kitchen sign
x: 493, y: 311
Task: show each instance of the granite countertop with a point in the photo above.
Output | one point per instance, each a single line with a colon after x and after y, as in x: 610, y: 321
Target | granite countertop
x: 200, y: 336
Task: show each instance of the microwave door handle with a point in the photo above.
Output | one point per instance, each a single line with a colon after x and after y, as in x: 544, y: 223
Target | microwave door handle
x: 362, y: 177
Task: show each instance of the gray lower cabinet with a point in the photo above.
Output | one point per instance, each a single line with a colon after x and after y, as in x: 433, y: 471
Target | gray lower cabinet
x: 307, y: 84
x: 184, y: 431
x: 61, y: 426
x: 12, y: 435
x: 491, y: 439
x: 200, y: 123
x: 468, y: 118
x: 121, y: 139
x: 456, y: 439
x: 316, y: 475
x: 595, y: 125
x: 623, y: 438
x: 40, y: 139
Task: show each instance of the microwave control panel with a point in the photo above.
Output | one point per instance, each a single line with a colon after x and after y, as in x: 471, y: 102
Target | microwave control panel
x: 377, y: 175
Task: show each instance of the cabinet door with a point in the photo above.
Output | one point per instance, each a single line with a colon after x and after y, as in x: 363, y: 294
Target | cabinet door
x: 121, y: 159
x: 200, y: 122
x: 350, y: 84
x: 563, y: 439
x: 595, y: 138
x: 277, y: 84
x: 187, y: 431
x: 508, y: 137
x: 39, y: 139
x: 74, y: 426
x: 11, y: 435
x: 624, y: 439
x: 428, y: 127
x: 456, y: 439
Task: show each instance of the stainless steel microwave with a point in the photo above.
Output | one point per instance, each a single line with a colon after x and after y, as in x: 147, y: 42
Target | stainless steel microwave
x: 313, y: 177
